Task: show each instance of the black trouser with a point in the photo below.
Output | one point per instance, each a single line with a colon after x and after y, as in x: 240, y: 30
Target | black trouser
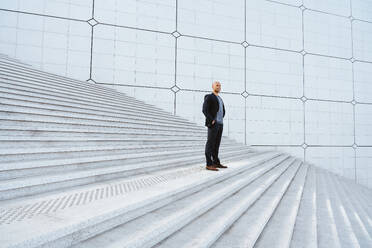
x: 213, y: 144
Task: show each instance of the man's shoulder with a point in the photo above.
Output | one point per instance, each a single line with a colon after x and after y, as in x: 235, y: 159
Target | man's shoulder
x: 207, y: 95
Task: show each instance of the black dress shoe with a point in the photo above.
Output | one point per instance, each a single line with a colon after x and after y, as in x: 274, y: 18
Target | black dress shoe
x: 221, y: 166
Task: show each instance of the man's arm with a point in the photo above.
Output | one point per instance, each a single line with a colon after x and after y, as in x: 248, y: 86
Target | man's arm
x: 206, y: 108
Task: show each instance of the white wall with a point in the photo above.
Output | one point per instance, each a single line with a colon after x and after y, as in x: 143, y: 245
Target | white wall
x: 296, y: 74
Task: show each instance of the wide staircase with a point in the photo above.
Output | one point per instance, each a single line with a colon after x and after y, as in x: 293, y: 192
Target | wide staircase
x: 83, y: 165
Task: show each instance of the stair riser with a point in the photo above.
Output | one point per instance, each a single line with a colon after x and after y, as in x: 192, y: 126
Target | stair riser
x: 100, y: 143
x: 27, y: 86
x: 83, y: 106
x: 70, y: 88
x: 362, y: 199
x: 15, y: 67
x: 36, y: 120
x: 32, y: 190
x: 359, y: 229
x: 93, y: 133
x: 298, y: 175
x: 33, y: 171
x: 108, y: 224
x: 44, y: 108
x: 12, y: 61
x: 106, y: 152
x: 210, y: 238
x: 56, y: 82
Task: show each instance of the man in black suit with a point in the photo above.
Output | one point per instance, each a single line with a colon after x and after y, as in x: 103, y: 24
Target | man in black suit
x: 214, y: 111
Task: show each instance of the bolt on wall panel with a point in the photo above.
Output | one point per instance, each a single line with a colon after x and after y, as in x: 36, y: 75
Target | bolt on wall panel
x: 329, y: 123
x: 362, y: 9
x: 364, y: 166
x: 214, y: 19
x: 274, y: 121
x: 157, y: 15
x: 363, y: 82
x: 162, y: 98
x: 327, y: 34
x: 274, y: 25
x: 294, y: 151
x: 200, y: 62
x: 134, y: 57
x: 274, y: 72
x: 362, y: 40
x: 189, y: 104
x: 55, y: 45
x: 338, y: 7
x: 328, y: 78
x: 339, y: 160
x: 234, y: 120
x: 254, y: 47
x: 290, y: 2
x: 77, y: 9
x: 363, y: 125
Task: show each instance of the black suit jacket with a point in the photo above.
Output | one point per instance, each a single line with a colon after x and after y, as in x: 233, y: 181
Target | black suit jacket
x: 210, y: 108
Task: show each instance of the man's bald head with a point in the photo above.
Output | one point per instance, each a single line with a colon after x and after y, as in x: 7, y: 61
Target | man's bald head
x: 216, y: 86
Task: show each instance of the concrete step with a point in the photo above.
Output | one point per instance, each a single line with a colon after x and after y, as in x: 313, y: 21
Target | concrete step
x: 12, y: 61
x: 8, y: 91
x: 19, y: 115
x: 345, y: 231
x: 354, y: 192
x: 194, y: 215
x: 7, y: 71
x: 305, y: 229
x: 285, y: 214
x: 78, y: 223
x: 50, y: 152
x: 364, y: 192
x: 247, y: 229
x: 193, y: 167
x: 46, y: 122
x: 53, y: 131
x: 14, y: 168
x: 42, y: 142
x: 28, y: 181
x: 43, y: 127
x: 56, y: 107
x: 354, y: 229
x: 122, y: 107
x: 13, y: 69
x: 72, y: 92
x: 328, y: 235
x: 217, y: 221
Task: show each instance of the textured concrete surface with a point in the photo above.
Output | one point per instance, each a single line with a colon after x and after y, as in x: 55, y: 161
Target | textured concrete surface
x: 86, y: 166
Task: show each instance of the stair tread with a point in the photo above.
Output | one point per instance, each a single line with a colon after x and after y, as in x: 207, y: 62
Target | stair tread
x: 28, y: 150
x: 47, y: 109
x: 53, y: 162
x: 193, y: 211
x: 83, y: 165
x: 151, y: 109
x: 79, y: 104
x: 73, y: 219
x: 353, y: 228
x: 327, y: 231
x: 258, y: 215
x: 285, y: 214
x: 209, y: 227
x: 46, y: 178
x: 305, y: 230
